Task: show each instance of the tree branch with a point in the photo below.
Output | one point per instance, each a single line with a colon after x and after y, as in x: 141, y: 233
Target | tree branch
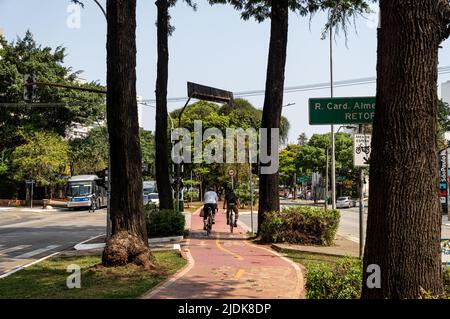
x: 444, y: 9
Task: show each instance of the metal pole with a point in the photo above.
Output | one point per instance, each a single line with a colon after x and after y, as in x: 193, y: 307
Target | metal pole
x: 251, y: 185
x: 326, y: 179
x: 361, y: 207
x: 178, y: 166
x: 333, y: 145
x: 32, y: 184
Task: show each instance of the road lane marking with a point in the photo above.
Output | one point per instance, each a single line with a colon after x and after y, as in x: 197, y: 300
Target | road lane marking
x: 239, y: 273
x: 237, y: 256
x: 36, y: 252
x: 15, y: 248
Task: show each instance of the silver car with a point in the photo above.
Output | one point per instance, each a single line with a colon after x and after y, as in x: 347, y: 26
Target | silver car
x: 345, y: 202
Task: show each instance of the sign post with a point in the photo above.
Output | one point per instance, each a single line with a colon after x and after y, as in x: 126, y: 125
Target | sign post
x: 231, y: 172
x: 443, y: 180
x: 30, y: 182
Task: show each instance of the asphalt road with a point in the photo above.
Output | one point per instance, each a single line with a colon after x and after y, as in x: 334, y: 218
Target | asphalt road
x: 348, y: 226
x: 28, y: 235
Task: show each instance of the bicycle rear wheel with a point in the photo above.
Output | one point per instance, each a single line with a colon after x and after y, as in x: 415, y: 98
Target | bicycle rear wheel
x: 231, y: 220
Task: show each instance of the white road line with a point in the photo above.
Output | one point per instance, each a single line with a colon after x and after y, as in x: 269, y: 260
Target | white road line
x: 36, y: 252
x: 11, y: 249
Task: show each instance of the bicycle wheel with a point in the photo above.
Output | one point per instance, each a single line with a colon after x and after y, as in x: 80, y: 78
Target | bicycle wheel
x: 208, y: 224
x: 231, y: 220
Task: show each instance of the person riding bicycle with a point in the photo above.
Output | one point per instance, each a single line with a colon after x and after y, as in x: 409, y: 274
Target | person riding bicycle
x: 231, y: 202
x: 210, y: 203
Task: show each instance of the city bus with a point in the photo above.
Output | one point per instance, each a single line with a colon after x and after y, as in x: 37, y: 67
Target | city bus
x: 80, y: 190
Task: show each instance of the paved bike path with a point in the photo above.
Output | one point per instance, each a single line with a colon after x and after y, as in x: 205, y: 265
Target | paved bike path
x: 226, y: 265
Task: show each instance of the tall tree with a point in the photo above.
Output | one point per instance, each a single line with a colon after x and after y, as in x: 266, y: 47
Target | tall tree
x: 162, y: 146
x: 129, y: 241
x: 269, y: 199
x: 164, y: 29
x: 278, y: 12
x: 404, y: 219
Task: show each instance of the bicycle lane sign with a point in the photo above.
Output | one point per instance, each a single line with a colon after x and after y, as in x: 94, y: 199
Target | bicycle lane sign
x: 361, y: 149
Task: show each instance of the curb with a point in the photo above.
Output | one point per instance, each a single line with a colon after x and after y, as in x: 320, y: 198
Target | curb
x: 152, y: 241
x: 277, y: 248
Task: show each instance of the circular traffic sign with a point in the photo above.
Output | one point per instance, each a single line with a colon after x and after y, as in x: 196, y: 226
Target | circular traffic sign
x: 231, y: 172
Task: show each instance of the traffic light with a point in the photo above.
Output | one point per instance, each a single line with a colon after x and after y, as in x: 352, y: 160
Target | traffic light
x: 29, y: 88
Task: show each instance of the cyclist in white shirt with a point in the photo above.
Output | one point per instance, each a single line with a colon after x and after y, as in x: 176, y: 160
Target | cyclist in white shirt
x: 210, y: 203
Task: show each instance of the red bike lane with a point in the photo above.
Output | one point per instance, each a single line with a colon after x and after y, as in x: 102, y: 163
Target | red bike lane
x: 226, y: 265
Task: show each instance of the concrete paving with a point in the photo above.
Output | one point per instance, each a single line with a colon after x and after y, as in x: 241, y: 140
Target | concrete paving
x: 28, y: 235
x: 228, y: 266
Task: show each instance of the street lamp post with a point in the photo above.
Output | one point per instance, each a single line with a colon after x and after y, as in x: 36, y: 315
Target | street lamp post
x: 333, y: 144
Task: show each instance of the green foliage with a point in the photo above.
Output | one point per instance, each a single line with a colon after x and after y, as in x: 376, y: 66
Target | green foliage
x: 90, y: 154
x: 288, y: 164
x: 41, y: 158
x: 340, y: 12
x: 443, y: 124
x: 147, y: 139
x: 162, y: 223
x: 22, y: 125
x: 301, y: 225
x: 242, y: 192
x: 339, y: 281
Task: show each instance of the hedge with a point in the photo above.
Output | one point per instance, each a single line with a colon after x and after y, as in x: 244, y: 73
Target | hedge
x: 340, y: 281
x: 304, y: 225
x: 163, y: 223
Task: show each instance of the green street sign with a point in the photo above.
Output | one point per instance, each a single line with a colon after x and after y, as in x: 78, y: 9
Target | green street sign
x: 340, y: 178
x: 341, y: 110
x: 302, y: 179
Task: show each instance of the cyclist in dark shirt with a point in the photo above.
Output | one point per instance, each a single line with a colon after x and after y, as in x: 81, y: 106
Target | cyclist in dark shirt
x: 231, y: 202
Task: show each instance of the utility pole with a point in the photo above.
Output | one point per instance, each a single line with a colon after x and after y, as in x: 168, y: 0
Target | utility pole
x: 251, y: 185
x: 361, y: 205
x: 333, y: 145
x: 32, y: 186
x: 326, y: 179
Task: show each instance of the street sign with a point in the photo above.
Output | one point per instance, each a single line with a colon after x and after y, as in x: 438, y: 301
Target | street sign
x: 341, y: 110
x: 29, y: 181
x: 302, y: 179
x: 361, y: 150
x: 231, y: 172
x: 340, y: 178
x: 443, y: 180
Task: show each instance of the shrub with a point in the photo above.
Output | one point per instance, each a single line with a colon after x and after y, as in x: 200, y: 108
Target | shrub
x: 446, y: 280
x: 162, y: 223
x: 301, y: 225
x: 340, y: 281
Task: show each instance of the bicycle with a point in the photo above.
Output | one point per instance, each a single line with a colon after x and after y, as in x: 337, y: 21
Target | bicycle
x: 209, y: 222
x: 231, y: 218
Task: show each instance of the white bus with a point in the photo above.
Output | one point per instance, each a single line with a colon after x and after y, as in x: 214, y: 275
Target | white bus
x: 80, y: 190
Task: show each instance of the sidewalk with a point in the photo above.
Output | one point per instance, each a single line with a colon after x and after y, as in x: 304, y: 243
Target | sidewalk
x: 228, y: 266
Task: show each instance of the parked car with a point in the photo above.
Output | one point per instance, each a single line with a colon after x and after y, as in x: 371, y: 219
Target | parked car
x: 345, y: 202
x: 153, y: 198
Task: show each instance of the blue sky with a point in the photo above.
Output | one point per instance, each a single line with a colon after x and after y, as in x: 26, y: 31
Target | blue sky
x: 211, y: 46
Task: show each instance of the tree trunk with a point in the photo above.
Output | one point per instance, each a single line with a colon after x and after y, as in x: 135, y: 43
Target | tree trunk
x: 129, y: 241
x: 273, y: 102
x: 162, y: 144
x: 404, y: 218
